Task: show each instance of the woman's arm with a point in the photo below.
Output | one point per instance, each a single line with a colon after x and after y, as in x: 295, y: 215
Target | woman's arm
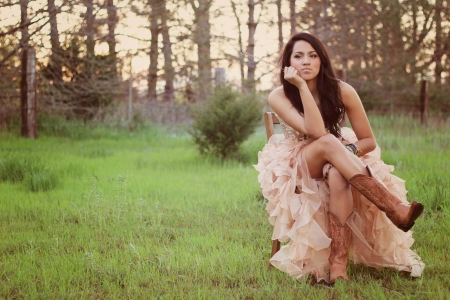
x: 311, y: 123
x: 358, y: 118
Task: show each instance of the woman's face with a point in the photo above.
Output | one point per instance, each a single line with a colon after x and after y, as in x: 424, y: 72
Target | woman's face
x: 305, y: 60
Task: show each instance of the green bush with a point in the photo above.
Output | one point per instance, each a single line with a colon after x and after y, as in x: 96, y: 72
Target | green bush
x: 224, y: 122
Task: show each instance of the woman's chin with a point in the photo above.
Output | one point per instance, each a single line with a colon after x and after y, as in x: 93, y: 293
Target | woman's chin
x: 308, y: 78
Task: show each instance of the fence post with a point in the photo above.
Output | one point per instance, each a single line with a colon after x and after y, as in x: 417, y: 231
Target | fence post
x: 28, y: 93
x: 220, y: 76
x: 424, y: 102
x: 130, y: 97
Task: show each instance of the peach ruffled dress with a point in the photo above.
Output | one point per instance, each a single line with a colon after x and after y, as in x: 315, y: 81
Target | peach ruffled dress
x: 301, y: 219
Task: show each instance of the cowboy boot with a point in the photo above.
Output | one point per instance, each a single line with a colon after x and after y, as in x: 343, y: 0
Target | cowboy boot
x: 340, y: 244
x: 398, y: 212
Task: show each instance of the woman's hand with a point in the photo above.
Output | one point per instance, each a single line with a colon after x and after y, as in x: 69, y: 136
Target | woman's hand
x: 293, y: 77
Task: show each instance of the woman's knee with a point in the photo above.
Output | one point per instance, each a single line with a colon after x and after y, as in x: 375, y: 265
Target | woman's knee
x: 328, y: 142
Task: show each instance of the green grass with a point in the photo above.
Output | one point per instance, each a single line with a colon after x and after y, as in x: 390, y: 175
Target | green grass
x: 142, y: 215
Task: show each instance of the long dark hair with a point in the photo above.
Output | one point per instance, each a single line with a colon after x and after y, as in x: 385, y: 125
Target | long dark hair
x: 331, y: 105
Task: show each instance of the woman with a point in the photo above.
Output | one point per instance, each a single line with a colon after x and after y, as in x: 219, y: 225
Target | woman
x: 327, y: 188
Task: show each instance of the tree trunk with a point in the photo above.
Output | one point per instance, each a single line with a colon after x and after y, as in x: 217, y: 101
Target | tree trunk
x: 251, y: 64
x: 28, y: 77
x: 25, y: 36
x: 89, y: 29
x: 111, y: 38
x: 55, y: 58
x: 153, y: 68
x: 438, y: 53
x: 202, y: 37
x: 28, y: 93
x: 280, y: 26
x: 292, y: 18
x: 241, y: 49
x: 167, y: 51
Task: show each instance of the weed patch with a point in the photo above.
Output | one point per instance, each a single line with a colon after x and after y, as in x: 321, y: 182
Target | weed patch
x: 28, y: 170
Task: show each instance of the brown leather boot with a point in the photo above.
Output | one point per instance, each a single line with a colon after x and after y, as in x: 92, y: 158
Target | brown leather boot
x: 395, y: 210
x: 341, y: 236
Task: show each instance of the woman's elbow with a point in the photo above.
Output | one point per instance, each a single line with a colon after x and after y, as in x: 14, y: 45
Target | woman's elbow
x: 372, y: 145
x: 315, y: 133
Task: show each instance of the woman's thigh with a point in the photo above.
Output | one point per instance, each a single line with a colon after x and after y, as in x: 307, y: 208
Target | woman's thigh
x: 316, y: 153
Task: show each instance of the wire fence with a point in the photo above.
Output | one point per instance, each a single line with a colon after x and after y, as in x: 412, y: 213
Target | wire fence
x: 128, y: 105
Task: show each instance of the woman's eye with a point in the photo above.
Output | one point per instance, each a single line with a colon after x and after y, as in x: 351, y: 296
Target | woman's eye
x: 314, y: 56
x: 297, y: 56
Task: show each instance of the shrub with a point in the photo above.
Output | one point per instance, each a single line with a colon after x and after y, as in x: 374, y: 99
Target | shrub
x: 223, y: 123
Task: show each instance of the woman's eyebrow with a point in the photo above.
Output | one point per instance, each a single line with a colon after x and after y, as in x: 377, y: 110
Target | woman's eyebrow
x: 303, y: 52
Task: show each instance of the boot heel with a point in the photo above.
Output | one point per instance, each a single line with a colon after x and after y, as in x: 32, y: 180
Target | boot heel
x: 417, y: 211
x: 406, y: 228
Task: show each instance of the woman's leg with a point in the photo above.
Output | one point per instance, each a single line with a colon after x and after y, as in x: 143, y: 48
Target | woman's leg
x: 329, y: 149
x: 341, y: 199
x: 341, y: 207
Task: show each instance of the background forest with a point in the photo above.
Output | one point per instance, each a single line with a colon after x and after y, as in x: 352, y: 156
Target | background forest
x: 124, y: 59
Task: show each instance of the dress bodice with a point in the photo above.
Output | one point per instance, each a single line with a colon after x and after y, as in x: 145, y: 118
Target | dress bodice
x: 291, y: 133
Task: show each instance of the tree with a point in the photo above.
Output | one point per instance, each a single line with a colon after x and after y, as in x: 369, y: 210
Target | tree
x: 111, y: 37
x: 153, y: 67
x: 251, y: 63
x: 202, y: 38
x: 280, y: 26
x: 240, y: 44
x: 439, y: 49
x: 89, y: 29
x: 167, y: 52
x: 293, y: 16
x: 55, y: 58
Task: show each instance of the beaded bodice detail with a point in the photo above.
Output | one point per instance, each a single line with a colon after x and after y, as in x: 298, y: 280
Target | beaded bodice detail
x: 291, y: 133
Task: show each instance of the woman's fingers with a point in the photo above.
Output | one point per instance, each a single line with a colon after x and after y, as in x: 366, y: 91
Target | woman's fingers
x: 289, y: 73
x: 292, y: 75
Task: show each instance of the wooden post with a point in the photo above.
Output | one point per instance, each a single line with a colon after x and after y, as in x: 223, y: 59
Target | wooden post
x: 130, y: 97
x: 220, y: 76
x: 424, y: 101
x: 28, y: 93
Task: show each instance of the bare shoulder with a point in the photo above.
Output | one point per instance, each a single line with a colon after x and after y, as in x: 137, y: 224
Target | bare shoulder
x: 346, y: 89
x: 348, y: 94
x: 277, y: 95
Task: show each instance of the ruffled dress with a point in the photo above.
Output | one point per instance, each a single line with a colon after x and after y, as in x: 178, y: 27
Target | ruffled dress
x: 300, y: 219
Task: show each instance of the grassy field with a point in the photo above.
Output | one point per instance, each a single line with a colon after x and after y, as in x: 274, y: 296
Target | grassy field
x: 98, y: 213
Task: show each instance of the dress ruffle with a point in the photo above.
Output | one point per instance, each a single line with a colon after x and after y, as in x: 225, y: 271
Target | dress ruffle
x: 301, y: 218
